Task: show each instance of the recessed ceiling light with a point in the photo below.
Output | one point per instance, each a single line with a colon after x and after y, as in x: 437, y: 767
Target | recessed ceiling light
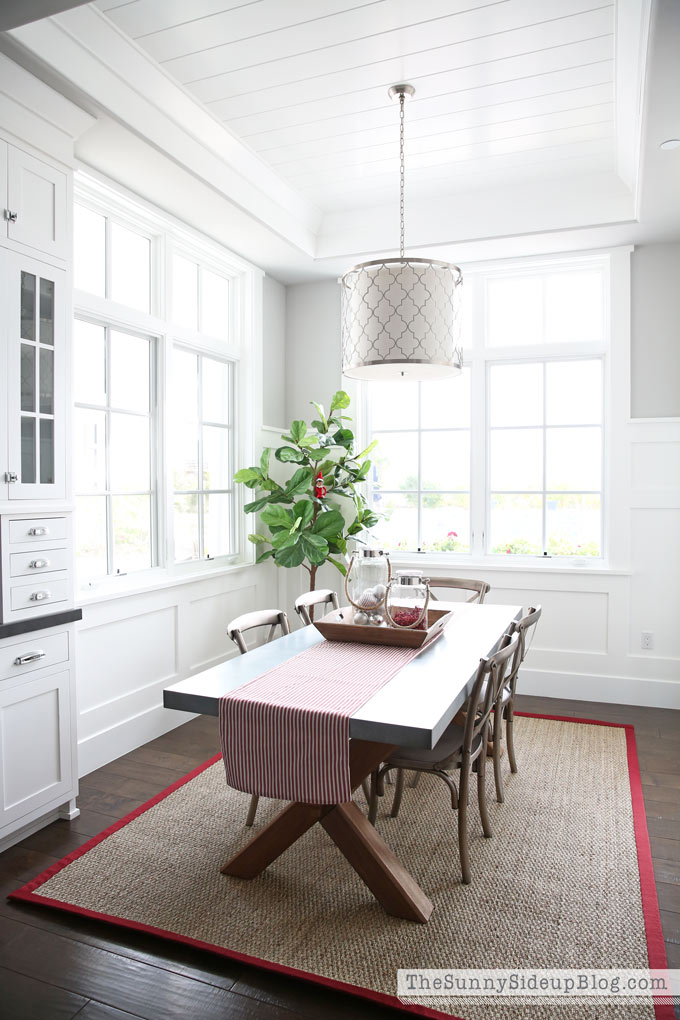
x: 670, y: 143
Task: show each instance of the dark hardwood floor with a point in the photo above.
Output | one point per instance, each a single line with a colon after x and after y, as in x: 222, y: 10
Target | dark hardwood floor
x: 55, y: 967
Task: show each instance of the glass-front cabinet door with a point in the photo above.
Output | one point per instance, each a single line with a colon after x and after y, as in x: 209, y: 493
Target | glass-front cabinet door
x: 36, y: 296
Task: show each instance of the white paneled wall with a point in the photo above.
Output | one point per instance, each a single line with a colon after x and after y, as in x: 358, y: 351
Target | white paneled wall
x: 130, y: 648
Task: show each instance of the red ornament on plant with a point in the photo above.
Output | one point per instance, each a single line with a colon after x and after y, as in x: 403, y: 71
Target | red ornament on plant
x: 319, y: 487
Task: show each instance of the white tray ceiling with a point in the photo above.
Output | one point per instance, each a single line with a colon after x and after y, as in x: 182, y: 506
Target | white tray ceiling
x: 524, y: 87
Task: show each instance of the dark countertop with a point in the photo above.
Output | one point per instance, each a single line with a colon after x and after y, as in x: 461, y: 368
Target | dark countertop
x: 39, y: 622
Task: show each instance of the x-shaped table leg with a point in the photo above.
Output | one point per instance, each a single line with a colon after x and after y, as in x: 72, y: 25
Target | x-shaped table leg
x: 352, y: 833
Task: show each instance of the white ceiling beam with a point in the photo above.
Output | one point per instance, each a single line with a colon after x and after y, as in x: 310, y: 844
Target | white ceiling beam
x: 86, y: 49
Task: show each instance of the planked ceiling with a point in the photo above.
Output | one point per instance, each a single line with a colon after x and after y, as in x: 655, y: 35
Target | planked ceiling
x: 506, y: 90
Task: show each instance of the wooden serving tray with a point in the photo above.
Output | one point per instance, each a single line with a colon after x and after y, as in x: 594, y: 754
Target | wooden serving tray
x: 339, y: 626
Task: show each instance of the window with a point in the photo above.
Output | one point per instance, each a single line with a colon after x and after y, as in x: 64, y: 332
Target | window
x: 113, y: 459
x: 158, y: 346
x: 507, y: 459
x: 202, y: 458
x: 421, y: 466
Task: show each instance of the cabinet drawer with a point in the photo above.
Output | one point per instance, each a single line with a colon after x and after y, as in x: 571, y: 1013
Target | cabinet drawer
x: 39, y: 529
x: 41, y: 562
x: 34, y: 597
x: 37, y: 652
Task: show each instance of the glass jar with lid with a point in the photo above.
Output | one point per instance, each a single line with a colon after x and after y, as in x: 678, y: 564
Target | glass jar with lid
x: 368, y: 575
x: 408, y: 596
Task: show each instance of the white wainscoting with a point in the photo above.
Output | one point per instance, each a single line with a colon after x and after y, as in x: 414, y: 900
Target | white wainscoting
x: 130, y: 648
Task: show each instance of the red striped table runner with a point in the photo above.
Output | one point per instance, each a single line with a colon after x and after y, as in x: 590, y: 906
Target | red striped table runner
x: 286, y: 733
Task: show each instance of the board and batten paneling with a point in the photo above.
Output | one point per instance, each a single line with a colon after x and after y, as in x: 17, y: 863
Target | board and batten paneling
x: 131, y: 647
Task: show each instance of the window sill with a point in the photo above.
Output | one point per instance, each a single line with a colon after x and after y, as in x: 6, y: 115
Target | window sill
x: 155, y: 580
x: 434, y: 562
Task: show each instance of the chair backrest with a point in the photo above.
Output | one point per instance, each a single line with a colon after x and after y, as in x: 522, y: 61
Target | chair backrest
x: 483, y: 697
x: 314, y: 598
x: 523, y: 629
x: 479, y: 589
x: 271, y: 618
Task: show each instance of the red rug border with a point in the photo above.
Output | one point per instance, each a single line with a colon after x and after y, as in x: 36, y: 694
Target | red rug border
x: 656, y: 949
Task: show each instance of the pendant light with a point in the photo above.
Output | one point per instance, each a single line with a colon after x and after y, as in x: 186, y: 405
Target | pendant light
x: 401, y: 316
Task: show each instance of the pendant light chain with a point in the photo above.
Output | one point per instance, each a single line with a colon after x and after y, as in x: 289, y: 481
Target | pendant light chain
x: 402, y: 98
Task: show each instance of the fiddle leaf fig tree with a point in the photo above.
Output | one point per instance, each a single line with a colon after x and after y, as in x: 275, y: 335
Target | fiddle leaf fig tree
x: 308, y: 519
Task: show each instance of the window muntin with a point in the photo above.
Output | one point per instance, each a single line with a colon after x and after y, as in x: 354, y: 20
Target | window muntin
x: 111, y: 259
x: 201, y: 411
x: 545, y: 458
x: 114, y: 450
x: 421, y: 466
x: 200, y: 297
x: 537, y: 355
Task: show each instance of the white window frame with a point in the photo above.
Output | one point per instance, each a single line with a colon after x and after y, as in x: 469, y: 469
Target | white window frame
x: 242, y: 351
x: 613, y: 350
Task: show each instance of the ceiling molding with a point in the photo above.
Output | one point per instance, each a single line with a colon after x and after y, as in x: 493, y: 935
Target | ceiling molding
x: 93, y: 56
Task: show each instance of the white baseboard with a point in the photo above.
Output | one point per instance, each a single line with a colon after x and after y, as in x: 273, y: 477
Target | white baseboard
x: 618, y: 690
x: 107, y: 745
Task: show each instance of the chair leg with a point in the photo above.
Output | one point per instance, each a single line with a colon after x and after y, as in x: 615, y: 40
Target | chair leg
x: 366, y: 787
x: 509, y: 736
x: 398, y: 793
x: 415, y: 780
x: 252, y: 810
x: 497, y: 736
x: 462, y: 822
x: 373, y: 798
x: 481, y: 788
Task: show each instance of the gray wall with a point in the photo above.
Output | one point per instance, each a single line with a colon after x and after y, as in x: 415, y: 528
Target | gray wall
x: 313, y: 357
x: 655, y: 331
x: 274, y: 353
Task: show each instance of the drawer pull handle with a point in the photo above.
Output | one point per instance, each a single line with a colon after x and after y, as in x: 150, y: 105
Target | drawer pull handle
x: 21, y: 660
x: 40, y: 596
x: 38, y: 531
x: 39, y: 564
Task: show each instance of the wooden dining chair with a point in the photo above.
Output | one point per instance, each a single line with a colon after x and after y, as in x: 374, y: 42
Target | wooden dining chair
x: 271, y: 618
x: 479, y: 589
x: 310, y: 599
x: 505, y: 703
x: 457, y: 751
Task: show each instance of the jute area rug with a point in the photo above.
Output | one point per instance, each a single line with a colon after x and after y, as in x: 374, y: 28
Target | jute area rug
x: 565, y: 881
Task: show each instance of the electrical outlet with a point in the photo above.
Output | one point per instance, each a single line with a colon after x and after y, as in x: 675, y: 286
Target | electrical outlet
x: 646, y: 640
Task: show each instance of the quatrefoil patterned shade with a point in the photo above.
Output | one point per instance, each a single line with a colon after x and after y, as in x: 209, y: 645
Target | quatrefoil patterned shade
x: 401, y: 318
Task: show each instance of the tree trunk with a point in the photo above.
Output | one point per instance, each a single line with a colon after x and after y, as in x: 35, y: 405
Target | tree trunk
x: 312, y: 583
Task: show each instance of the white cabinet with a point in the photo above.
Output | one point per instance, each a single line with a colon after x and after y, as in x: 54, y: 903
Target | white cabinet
x: 38, y: 775
x: 34, y: 198
x: 33, y: 349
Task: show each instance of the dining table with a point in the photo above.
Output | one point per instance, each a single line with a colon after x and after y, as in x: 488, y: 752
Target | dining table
x: 413, y: 709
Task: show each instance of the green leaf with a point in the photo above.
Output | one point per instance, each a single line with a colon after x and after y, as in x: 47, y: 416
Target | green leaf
x: 316, y: 454
x: 315, y: 547
x: 246, y: 475
x: 282, y: 540
x: 322, y: 415
x: 318, y: 425
x: 300, y: 481
x: 264, y: 555
x: 343, y: 437
x: 287, y: 453
x: 304, y: 510
x: 298, y: 430
x: 291, y: 556
x: 257, y: 539
x: 264, y: 460
x: 340, y: 399
x: 368, y: 449
x: 336, y: 563
x: 329, y: 524
x: 278, y: 516
x: 306, y: 442
x: 363, y: 471
x: 252, y: 508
